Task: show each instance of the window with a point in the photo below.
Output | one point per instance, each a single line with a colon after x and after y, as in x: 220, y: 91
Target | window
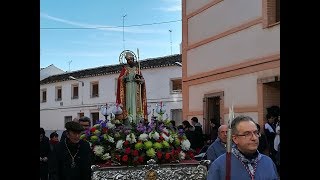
x: 43, y: 95
x: 94, y: 117
x: 67, y: 119
x: 58, y: 93
x: 176, y: 85
x: 94, y: 89
x: 271, y: 12
x: 75, y: 91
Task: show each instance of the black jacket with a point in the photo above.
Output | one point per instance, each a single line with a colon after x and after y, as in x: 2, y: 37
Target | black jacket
x: 60, y: 161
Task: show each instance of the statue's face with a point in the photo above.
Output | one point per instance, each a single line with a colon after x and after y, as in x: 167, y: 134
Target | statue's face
x: 129, y: 58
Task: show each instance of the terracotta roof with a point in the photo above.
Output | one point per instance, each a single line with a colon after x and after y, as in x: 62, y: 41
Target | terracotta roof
x: 113, y: 69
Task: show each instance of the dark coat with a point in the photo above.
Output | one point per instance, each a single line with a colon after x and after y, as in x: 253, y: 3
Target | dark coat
x: 60, y: 163
x: 44, y: 152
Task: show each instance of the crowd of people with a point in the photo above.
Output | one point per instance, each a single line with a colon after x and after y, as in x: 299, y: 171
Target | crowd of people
x: 71, y: 158
x: 67, y: 159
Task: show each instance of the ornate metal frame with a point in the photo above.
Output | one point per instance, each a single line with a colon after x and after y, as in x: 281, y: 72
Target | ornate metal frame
x: 153, y: 171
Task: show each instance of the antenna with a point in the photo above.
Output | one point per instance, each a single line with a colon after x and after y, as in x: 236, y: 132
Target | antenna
x: 123, y: 30
x: 170, y: 40
x: 69, y: 64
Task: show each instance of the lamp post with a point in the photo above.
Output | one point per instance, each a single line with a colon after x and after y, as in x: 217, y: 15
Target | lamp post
x: 82, y: 84
x: 105, y: 111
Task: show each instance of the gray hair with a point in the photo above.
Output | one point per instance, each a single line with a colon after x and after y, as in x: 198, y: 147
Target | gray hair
x: 237, y: 120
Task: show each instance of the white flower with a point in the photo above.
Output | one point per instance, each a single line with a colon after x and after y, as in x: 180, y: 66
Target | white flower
x: 185, y: 144
x: 98, y: 150
x: 119, y: 144
x: 165, y: 137
x: 165, y: 130
x: 154, y: 135
x: 106, y: 156
x: 110, y: 139
x: 171, y: 139
x: 130, y: 118
x: 182, y: 155
x: 143, y: 137
x: 131, y: 138
x: 110, y: 125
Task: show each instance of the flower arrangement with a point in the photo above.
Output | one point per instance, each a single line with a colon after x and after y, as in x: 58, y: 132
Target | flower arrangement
x: 117, y: 144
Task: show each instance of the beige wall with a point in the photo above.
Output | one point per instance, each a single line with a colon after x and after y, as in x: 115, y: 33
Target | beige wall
x: 221, y: 17
x: 193, y: 5
x: 253, y: 115
x: 233, y: 49
x: 239, y: 90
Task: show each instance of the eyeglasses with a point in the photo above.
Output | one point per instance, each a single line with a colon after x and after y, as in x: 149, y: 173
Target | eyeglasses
x: 249, y: 134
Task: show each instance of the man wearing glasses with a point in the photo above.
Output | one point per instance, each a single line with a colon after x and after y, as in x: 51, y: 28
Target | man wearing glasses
x: 246, y: 161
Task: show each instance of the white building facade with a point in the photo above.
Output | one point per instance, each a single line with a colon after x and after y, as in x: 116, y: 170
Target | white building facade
x: 62, y: 99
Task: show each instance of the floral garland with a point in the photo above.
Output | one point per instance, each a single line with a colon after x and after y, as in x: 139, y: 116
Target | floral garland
x: 118, y: 144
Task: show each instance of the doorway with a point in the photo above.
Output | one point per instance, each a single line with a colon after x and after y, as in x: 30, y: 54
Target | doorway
x: 213, y: 105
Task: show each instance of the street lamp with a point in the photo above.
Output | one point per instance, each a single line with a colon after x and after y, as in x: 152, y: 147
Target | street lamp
x: 82, y: 83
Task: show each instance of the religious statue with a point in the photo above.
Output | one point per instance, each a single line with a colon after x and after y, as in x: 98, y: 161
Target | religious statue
x: 131, y: 89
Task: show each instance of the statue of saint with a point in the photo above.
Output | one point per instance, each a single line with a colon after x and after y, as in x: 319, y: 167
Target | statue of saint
x: 131, y: 90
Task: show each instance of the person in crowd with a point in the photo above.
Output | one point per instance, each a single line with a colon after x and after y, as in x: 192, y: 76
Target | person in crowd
x: 263, y: 142
x: 218, y: 147
x: 246, y: 161
x: 72, y: 158
x: 214, y: 124
x: 44, y: 154
x: 198, y: 134
x: 63, y: 135
x: 54, y: 139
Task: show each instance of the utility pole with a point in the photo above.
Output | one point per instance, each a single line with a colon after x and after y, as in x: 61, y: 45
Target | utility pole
x: 170, y: 40
x: 124, y: 48
x: 69, y: 64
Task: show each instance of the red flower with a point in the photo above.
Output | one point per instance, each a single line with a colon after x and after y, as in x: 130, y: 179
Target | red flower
x: 126, y: 143
x: 127, y: 151
x: 125, y: 158
x: 117, y: 157
x: 191, y: 155
x: 135, y: 153
x: 140, y: 159
x: 104, y: 130
x: 93, y: 129
x: 161, y: 138
x: 167, y: 156
x: 159, y: 154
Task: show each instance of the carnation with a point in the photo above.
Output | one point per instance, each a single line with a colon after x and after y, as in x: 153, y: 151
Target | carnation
x: 143, y: 137
x: 110, y: 125
x: 154, y: 135
x: 106, y: 156
x: 131, y: 138
x: 151, y: 152
x: 98, y: 150
x: 165, y: 137
x: 171, y: 139
x: 119, y: 144
x: 165, y: 130
x: 182, y: 155
x: 185, y: 144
